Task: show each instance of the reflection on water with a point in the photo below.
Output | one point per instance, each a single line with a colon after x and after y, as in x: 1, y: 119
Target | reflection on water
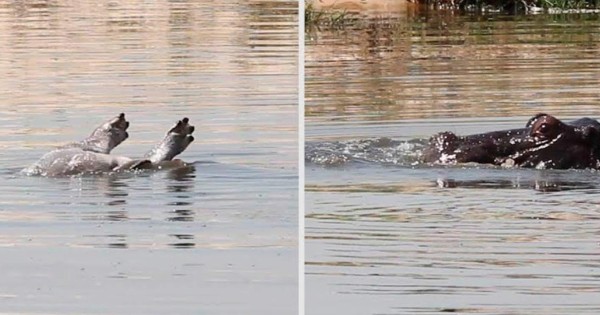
x: 382, y: 235
x: 540, y: 185
x: 129, y: 243
x: 424, y: 64
x: 387, y: 235
x: 182, y: 215
x: 183, y: 241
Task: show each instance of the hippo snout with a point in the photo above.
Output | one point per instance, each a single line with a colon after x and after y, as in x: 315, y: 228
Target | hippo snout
x: 545, y: 140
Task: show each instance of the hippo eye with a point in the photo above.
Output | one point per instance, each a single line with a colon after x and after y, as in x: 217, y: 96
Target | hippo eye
x: 544, y: 128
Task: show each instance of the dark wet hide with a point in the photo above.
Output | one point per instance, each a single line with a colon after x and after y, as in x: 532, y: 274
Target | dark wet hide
x: 544, y: 143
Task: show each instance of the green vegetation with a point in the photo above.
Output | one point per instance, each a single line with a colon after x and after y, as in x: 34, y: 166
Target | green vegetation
x: 314, y: 18
x: 568, y: 4
x: 336, y: 19
x: 510, y: 6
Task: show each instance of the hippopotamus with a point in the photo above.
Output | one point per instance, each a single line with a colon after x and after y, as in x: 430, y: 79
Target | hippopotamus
x: 545, y: 142
x: 92, y: 155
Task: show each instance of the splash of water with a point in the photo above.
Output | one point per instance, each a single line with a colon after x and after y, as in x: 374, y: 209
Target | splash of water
x: 377, y: 150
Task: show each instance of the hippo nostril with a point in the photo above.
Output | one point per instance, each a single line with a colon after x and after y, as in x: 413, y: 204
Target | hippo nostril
x: 192, y: 128
x: 533, y: 119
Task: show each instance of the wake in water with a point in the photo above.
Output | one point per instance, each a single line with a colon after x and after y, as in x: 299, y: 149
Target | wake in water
x: 377, y: 150
x: 544, y: 143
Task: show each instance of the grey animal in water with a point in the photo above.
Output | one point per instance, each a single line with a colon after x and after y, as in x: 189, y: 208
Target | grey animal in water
x: 92, y: 155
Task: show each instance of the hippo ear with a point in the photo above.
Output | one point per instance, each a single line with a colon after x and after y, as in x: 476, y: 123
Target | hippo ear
x: 590, y: 134
x: 533, y: 119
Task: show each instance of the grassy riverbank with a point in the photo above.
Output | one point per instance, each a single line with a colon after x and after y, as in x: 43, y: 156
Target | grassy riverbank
x: 323, y: 17
x: 338, y: 16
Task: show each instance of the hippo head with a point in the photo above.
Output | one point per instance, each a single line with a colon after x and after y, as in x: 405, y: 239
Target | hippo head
x: 545, y: 142
x: 108, y: 135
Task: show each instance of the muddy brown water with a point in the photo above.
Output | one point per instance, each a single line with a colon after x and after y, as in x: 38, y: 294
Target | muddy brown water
x: 217, y: 238
x: 388, y: 235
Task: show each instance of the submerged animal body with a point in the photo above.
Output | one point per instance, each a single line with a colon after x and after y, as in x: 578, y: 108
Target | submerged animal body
x: 92, y: 155
x: 545, y: 142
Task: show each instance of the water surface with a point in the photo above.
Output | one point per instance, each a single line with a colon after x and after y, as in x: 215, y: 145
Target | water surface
x: 386, y: 234
x: 219, y: 237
